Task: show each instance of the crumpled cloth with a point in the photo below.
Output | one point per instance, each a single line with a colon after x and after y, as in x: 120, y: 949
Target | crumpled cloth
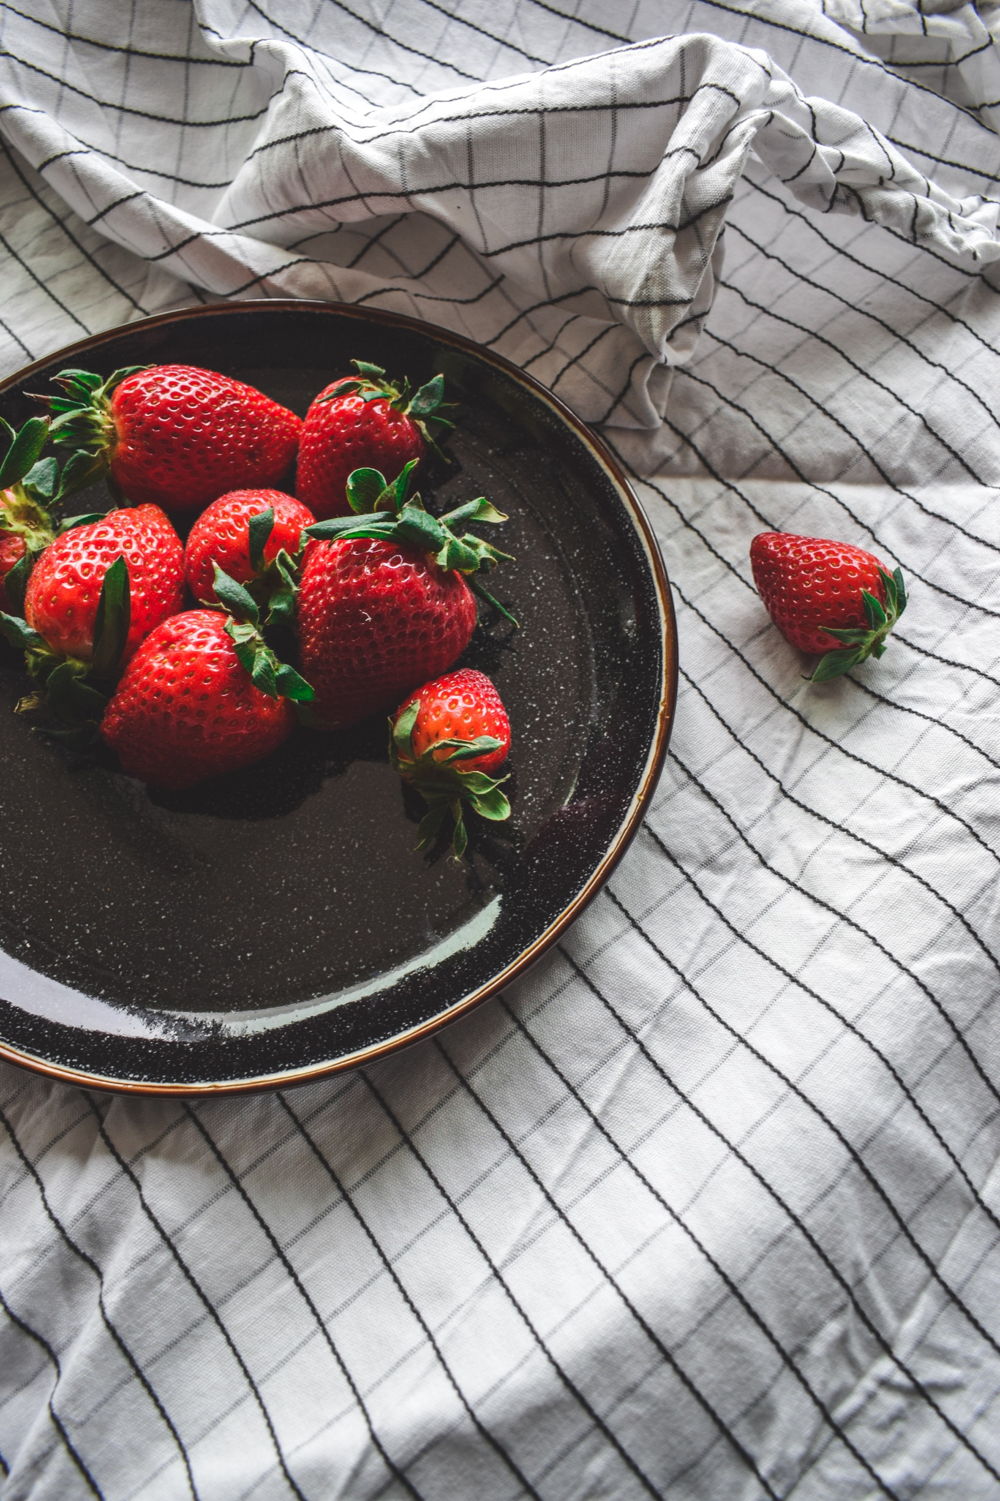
x: 707, y: 1204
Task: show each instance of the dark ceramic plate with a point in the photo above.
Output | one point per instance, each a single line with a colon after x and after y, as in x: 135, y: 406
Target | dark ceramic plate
x: 281, y: 924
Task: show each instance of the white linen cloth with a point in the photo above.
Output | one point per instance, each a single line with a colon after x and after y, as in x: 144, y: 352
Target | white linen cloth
x: 707, y: 1205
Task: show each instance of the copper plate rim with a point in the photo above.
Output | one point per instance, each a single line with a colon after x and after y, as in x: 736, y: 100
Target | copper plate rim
x: 630, y: 824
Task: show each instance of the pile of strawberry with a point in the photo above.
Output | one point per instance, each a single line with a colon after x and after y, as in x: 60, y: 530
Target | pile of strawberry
x: 192, y: 626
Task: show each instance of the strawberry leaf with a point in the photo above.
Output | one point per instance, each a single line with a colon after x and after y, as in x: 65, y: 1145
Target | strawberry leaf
x: 237, y: 600
x: 20, y: 634
x: 112, y: 621
x: 293, y: 685
x: 365, y: 488
x: 24, y: 451
x: 260, y: 528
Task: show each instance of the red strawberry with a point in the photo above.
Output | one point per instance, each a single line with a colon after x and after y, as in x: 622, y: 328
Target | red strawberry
x: 823, y: 594
x: 12, y: 549
x: 175, y: 435
x: 363, y: 422
x: 385, y: 605
x: 446, y: 740
x: 186, y: 707
x: 61, y: 601
x: 223, y: 535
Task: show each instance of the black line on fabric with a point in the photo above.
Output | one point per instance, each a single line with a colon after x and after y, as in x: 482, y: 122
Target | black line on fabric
x: 386, y: 1261
x: 92, y: 1266
x: 77, y: 244
x: 639, y: 1317
x: 812, y: 333
x: 615, y: 234
x: 794, y: 1218
x: 115, y: 203
x: 86, y: 149
x: 196, y: 1287
x: 910, y: 147
x: 4, y: 1466
x: 614, y: 36
x: 881, y: 322
x: 420, y: 297
x: 520, y: 112
x: 976, y: 276
x: 811, y: 223
x: 800, y: 1094
x: 938, y: 723
x: 501, y: 1282
x: 856, y: 57
x: 426, y: 57
x: 455, y: 15
x: 409, y: 193
x: 776, y: 447
x: 369, y: 244
x: 925, y: 651
x: 57, y: 1422
x: 625, y: 386
x: 879, y: 772
x: 306, y: 1297
x: 129, y: 52
x: 5, y: 243
x: 142, y: 114
x: 16, y: 338
x: 843, y: 917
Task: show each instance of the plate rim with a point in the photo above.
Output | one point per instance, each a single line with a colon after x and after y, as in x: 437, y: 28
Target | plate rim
x: 83, y: 1078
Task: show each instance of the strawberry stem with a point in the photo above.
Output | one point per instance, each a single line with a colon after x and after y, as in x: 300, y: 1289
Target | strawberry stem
x: 861, y: 643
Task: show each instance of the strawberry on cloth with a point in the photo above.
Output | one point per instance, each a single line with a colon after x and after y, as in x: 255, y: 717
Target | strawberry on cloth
x: 827, y: 597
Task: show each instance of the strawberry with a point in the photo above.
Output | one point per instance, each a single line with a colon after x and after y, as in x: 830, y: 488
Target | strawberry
x: 245, y: 533
x: 823, y: 594
x: 384, y: 603
x: 25, y: 525
x: 362, y: 422
x: 186, y: 708
x: 173, y: 435
x: 446, y: 740
x: 64, y: 590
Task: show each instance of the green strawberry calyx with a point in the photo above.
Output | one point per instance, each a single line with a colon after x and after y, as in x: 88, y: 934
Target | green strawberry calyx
x: 447, y: 788
x: 75, y: 692
x: 864, y: 641
x: 425, y: 407
x: 83, y: 422
x: 275, y: 678
x: 27, y: 485
x: 382, y: 510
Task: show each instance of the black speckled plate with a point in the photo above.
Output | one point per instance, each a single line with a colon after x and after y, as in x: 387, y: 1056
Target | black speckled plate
x: 279, y: 925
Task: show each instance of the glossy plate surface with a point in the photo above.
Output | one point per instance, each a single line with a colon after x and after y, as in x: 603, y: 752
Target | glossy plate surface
x: 281, y: 924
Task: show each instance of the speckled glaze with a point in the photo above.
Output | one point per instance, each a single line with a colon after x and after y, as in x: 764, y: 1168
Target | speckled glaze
x: 280, y: 924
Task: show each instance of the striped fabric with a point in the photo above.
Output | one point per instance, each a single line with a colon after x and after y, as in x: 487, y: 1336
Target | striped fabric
x: 708, y: 1204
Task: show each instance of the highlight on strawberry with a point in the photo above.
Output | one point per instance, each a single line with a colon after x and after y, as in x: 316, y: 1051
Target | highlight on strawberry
x: 446, y: 741
x: 387, y: 597
x: 176, y: 436
x: 830, y: 599
x: 365, y: 421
